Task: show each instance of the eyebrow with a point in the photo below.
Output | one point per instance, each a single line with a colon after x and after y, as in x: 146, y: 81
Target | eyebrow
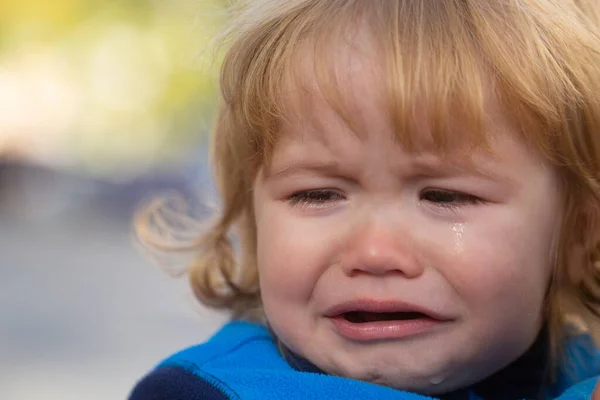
x: 323, y: 167
x: 451, y: 166
x: 428, y: 166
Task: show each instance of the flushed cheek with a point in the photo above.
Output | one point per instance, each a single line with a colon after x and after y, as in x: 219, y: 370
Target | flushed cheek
x: 501, y: 292
x: 291, y: 260
x: 499, y: 270
x: 291, y: 256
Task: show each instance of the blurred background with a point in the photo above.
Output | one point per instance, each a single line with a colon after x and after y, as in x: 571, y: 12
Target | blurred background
x: 103, y: 103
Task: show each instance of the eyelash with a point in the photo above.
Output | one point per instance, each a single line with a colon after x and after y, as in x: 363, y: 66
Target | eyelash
x: 449, y: 199
x: 440, y: 198
x: 314, y: 198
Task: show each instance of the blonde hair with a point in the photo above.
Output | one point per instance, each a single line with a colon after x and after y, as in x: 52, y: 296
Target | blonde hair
x: 540, y: 58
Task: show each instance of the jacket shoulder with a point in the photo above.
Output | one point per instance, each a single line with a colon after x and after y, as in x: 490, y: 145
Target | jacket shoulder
x: 189, y: 373
x: 176, y: 383
x: 580, y: 367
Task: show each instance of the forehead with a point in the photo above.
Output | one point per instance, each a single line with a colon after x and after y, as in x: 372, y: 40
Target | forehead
x: 350, y: 86
x: 340, y: 151
x: 334, y: 113
x: 345, y: 96
x: 436, y: 67
x: 338, y: 78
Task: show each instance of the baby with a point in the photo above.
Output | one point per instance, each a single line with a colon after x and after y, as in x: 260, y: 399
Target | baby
x: 414, y: 188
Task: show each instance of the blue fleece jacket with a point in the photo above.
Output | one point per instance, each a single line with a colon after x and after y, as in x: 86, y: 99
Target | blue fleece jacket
x: 242, y: 361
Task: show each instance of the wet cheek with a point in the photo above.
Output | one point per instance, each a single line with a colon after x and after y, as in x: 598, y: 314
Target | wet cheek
x: 496, y: 268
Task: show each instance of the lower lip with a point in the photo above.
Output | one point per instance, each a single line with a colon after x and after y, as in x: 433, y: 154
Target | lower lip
x: 382, y: 330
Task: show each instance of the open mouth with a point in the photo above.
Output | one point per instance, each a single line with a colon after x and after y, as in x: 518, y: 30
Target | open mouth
x: 366, y: 320
x: 359, y: 317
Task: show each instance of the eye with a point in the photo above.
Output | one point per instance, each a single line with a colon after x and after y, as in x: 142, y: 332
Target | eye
x: 449, y: 198
x: 314, y: 198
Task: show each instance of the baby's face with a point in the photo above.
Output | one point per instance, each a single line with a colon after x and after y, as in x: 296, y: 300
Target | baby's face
x: 406, y: 270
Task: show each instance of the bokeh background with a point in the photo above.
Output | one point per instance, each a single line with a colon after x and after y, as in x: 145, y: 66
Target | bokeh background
x: 103, y: 104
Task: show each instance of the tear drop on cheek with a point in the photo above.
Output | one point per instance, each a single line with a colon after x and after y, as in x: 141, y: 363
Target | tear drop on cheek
x: 436, y: 380
x: 459, y: 235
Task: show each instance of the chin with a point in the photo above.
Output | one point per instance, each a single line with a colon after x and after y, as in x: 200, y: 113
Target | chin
x: 429, y: 387
x: 430, y: 384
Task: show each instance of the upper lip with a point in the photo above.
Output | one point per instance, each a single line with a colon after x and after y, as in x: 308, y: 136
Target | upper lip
x: 382, y: 306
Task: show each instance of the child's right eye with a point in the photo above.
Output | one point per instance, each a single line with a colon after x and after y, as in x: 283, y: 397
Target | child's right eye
x: 314, y: 198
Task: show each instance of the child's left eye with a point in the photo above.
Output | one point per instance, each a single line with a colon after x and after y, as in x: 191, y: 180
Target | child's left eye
x: 314, y: 198
x: 449, y: 198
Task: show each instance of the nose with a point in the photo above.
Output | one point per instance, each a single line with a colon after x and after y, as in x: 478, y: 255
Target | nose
x: 379, y: 250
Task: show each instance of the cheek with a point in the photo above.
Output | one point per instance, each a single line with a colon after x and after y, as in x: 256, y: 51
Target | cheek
x: 503, y: 267
x: 290, y: 257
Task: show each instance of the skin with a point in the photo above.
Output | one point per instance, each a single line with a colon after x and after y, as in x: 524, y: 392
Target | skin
x: 347, y: 214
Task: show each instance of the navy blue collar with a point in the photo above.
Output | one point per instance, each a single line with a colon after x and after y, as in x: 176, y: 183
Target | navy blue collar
x: 524, y: 378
